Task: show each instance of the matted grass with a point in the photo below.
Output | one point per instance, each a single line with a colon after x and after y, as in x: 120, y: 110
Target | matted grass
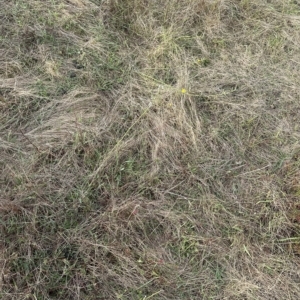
x: 149, y: 149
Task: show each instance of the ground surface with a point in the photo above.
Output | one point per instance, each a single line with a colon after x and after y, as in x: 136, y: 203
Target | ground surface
x: 149, y: 149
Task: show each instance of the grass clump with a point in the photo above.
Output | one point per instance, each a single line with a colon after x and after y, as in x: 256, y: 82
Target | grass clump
x: 149, y: 150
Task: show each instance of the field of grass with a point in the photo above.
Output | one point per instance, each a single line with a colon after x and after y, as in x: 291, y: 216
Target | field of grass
x: 149, y: 149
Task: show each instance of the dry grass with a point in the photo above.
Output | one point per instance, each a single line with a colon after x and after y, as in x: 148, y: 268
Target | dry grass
x: 149, y: 149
